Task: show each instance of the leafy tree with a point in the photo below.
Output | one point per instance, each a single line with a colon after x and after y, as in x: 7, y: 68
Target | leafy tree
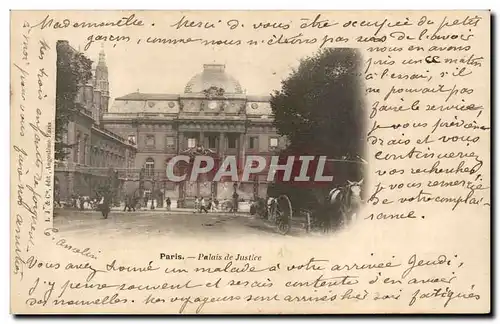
x: 73, y: 70
x: 320, y: 105
x: 320, y: 110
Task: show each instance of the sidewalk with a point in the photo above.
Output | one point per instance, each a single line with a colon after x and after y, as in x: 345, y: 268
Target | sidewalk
x: 161, y: 209
x: 178, y: 211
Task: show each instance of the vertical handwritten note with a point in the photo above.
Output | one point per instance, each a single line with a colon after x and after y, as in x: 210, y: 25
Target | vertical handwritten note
x: 428, y: 128
x: 32, y: 85
x: 421, y: 243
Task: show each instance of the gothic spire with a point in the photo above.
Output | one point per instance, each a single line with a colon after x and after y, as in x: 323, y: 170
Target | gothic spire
x: 102, y: 56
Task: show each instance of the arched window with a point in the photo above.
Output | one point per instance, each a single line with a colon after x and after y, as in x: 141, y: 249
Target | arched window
x: 150, y: 166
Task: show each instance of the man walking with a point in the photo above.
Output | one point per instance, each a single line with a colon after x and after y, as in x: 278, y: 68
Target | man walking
x: 203, y: 207
x: 106, y: 205
x: 126, y: 201
x: 234, y: 208
x: 169, y: 202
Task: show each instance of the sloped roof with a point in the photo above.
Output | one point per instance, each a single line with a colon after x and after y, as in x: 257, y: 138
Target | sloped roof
x: 148, y: 96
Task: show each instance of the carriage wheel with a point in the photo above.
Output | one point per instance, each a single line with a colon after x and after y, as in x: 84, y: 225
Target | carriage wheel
x: 284, y: 214
x: 283, y: 228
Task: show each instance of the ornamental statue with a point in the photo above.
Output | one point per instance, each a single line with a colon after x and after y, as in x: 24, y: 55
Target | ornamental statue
x: 213, y: 92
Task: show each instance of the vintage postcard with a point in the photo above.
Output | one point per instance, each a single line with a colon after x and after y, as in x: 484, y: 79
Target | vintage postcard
x: 250, y: 162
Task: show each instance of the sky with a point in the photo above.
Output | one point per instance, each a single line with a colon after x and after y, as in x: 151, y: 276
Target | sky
x: 159, y: 68
x: 158, y: 73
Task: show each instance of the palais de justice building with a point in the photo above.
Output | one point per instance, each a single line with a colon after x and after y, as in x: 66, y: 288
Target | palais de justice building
x: 212, y: 112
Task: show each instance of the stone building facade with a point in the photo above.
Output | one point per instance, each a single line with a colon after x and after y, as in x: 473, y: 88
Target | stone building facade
x: 213, y: 112
x: 94, y: 149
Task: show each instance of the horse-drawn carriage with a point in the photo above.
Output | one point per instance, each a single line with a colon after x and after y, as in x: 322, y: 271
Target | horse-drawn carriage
x: 324, y: 208
x: 338, y: 209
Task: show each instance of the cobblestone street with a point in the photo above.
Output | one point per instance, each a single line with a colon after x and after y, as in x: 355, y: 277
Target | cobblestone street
x: 90, y: 224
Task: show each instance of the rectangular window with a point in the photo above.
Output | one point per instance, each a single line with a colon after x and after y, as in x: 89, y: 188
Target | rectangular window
x: 150, y: 167
x: 212, y: 140
x: 231, y: 142
x: 273, y: 142
x: 253, y: 143
x: 131, y: 139
x: 191, y: 142
x: 170, y: 141
x: 150, y: 140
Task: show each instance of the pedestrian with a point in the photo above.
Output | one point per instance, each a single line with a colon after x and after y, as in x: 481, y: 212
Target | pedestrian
x: 234, y: 208
x: 216, y: 204
x: 210, y: 205
x: 126, y: 202
x: 203, y: 207
x: 105, y: 206
x: 169, y: 202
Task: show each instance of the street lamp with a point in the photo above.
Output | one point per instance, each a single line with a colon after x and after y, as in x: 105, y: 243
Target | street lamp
x: 235, y: 197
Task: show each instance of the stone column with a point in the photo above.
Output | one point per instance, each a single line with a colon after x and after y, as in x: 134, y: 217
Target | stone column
x: 180, y: 144
x: 241, y: 150
x: 221, y: 144
x: 202, y: 139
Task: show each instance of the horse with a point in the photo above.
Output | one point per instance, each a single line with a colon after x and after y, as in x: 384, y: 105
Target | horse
x: 345, y: 201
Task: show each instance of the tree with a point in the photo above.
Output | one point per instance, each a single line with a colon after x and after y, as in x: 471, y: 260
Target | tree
x: 320, y: 110
x: 320, y: 105
x: 73, y: 70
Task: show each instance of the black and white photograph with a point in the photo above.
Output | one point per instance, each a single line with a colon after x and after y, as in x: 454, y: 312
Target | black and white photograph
x: 114, y: 143
x: 250, y: 162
